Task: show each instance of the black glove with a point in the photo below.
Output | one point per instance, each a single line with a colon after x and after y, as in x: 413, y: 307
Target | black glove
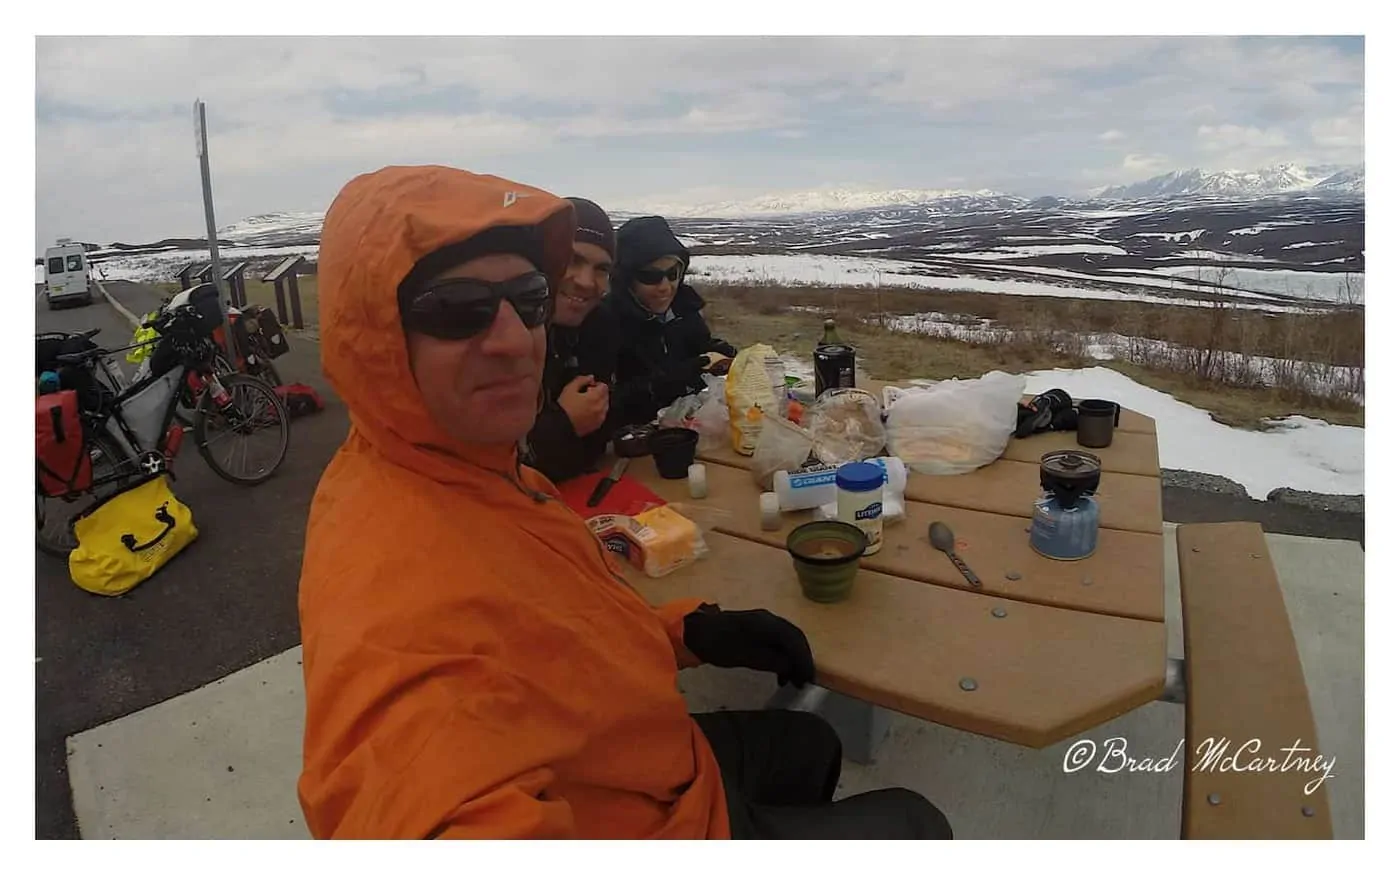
x: 760, y: 640
x: 1044, y: 412
x: 691, y: 369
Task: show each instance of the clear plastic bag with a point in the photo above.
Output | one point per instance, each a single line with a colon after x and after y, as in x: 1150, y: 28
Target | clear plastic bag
x: 704, y: 412
x: 954, y: 426
x: 680, y: 413
x: 712, y: 417
x: 846, y: 426
x: 782, y: 446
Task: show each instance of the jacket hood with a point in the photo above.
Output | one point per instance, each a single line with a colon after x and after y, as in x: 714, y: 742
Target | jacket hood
x: 639, y: 242
x: 378, y: 228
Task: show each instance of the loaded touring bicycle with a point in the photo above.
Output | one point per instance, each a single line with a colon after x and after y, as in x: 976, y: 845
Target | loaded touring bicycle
x: 96, y: 436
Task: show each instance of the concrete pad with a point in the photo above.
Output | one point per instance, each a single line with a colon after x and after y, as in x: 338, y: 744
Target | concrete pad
x: 1323, y: 586
x: 219, y: 762
x: 163, y: 772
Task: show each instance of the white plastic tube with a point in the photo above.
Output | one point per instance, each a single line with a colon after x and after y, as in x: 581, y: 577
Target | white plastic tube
x: 815, y: 487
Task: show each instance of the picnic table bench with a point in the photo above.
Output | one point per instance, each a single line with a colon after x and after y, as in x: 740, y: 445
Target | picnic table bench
x: 1046, y: 649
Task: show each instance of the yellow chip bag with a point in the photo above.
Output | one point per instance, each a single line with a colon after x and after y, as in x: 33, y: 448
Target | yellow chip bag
x: 748, y: 390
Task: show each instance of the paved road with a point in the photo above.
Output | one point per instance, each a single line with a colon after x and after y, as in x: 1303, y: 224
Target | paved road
x: 230, y: 600
x: 225, y: 603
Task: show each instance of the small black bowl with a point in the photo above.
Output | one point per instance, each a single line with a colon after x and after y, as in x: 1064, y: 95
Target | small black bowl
x: 673, y: 449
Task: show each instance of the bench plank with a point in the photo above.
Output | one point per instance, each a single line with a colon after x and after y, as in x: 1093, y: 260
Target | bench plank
x: 1043, y: 674
x: 1244, y: 681
x: 1130, y: 453
x: 1125, y: 573
x: 1130, y: 502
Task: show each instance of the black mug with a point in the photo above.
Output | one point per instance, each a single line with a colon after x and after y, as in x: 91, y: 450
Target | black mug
x: 1097, y: 419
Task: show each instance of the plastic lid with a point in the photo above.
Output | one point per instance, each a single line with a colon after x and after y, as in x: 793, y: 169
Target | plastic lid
x: 860, y: 477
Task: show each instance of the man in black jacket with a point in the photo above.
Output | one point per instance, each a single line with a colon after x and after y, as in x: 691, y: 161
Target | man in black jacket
x: 663, y: 338
x: 572, y: 430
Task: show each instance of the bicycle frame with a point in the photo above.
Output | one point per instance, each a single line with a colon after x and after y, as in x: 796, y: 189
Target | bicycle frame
x: 115, y: 425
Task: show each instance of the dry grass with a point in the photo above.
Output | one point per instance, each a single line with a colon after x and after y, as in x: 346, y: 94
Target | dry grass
x: 1336, y: 338
x: 886, y: 355
x: 1042, y: 333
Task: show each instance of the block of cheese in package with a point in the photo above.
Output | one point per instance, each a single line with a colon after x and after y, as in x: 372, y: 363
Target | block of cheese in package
x: 656, y: 541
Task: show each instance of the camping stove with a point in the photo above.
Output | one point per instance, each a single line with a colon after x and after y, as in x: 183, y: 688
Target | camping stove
x: 1065, y: 519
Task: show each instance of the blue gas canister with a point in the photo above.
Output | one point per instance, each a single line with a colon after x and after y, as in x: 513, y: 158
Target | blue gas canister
x: 1065, y: 519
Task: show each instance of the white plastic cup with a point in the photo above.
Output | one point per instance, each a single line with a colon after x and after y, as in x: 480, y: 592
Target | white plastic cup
x: 770, y: 516
x: 696, y: 475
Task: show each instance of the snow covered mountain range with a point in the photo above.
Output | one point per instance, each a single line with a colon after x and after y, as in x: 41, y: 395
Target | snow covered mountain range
x: 1276, y: 180
x: 835, y: 200
x: 1195, y: 184
x: 1272, y: 237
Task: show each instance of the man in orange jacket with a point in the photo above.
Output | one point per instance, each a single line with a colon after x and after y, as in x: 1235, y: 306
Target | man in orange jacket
x: 475, y: 666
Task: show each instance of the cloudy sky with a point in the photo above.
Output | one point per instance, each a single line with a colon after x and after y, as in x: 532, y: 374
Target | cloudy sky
x: 642, y: 121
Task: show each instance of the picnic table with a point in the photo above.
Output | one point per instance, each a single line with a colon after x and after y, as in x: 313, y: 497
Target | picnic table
x: 1046, y: 649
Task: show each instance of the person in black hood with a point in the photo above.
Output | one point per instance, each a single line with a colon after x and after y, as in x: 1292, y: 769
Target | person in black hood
x: 572, y: 429
x: 663, y: 338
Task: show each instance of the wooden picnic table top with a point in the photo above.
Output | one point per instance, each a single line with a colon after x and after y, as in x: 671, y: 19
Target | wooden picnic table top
x: 1073, y: 645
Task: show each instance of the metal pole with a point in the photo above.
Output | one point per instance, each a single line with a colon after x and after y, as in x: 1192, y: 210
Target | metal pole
x: 202, y: 147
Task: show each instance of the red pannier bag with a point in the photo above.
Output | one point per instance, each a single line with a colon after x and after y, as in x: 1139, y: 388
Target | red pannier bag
x: 64, y: 465
x: 300, y: 399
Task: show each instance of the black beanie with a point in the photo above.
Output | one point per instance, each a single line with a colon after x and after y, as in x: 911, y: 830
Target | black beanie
x: 594, y: 226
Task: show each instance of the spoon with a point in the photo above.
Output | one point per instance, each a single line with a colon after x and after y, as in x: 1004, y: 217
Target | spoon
x: 940, y: 536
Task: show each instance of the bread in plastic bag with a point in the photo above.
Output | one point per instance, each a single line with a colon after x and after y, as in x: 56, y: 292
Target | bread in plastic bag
x: 954, y: 426
x: 845, y: 426
x: 782, y: 446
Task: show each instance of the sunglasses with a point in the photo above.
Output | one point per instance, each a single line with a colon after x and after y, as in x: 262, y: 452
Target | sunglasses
x: 457, y: 309
x: 652, y: 276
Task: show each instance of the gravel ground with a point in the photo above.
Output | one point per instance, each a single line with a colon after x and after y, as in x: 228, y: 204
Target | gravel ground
x: 1198, y: 482
x: 1191, y: 497
x: 1319, y: 501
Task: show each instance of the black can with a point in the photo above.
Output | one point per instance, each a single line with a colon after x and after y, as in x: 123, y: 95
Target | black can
x: 835, y: 367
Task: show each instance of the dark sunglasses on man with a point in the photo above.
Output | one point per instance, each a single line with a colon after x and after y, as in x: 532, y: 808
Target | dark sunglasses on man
x: 456, y: 309
x: 652, y: 276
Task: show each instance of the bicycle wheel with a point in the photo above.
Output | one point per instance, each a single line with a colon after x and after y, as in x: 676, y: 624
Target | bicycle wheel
x: 54, y: 516
x: 255, y: 417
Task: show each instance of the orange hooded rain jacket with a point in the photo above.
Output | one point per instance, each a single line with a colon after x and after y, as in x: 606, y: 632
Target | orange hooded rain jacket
x: 475, y: 666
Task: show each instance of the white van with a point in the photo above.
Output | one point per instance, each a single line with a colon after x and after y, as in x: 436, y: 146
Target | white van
x: 67, y: 275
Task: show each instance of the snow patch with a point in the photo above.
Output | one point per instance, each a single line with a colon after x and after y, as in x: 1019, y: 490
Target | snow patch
x: 851, y: 271
x: 1298, y: 452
